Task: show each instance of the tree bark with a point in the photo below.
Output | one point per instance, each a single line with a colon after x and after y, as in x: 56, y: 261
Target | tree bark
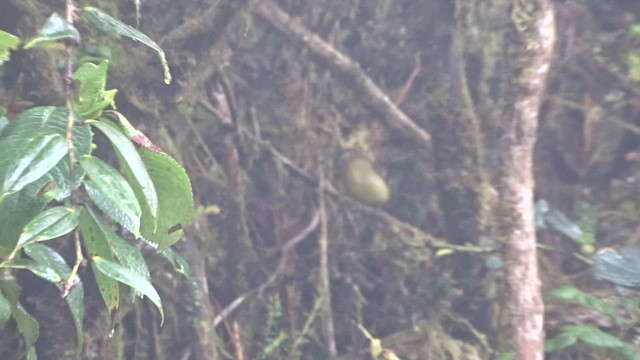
x: 531, y: 48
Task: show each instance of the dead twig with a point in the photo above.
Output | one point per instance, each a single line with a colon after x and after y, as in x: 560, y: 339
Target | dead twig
x: 325, y: 286
x: 237, y: 343
x: 417, y: 68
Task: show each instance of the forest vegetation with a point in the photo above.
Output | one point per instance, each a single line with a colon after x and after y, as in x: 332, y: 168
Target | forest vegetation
x: 338, y: 179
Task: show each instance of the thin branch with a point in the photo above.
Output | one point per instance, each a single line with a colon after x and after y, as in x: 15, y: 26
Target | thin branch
x: 345, y: 68
x: 237, y: 342
x: 70, y: 282
x: 325, y: 286
x: 417, y: 68
x: 70, y: 9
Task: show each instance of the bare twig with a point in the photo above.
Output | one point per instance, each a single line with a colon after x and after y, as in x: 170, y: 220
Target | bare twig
x: 70, y: 282
x: 324, y: 287
x: 345, y: 67
x: 417, y: 68
x: 237, y: 342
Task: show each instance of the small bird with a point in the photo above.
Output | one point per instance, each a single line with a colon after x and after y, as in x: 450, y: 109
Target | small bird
x: 363, y: 182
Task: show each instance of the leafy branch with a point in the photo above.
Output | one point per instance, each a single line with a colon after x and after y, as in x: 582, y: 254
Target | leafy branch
x: 51, y: 185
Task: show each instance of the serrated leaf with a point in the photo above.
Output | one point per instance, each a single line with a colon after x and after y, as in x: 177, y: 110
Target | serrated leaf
x: 104, y: 22
x: 112, y: 193
x: 128, y: 277
x: 8, y: 42
x: 95, y: 241
x: 55, y: 29
x: 130, y: 158
x: 33, y: 161
x: 49, y: 224
x: 91, y: 97
x: 175, y: 200
x: 75, y: 299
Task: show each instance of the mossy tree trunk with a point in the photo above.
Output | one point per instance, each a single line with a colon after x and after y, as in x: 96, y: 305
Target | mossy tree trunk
x: 530, y: 47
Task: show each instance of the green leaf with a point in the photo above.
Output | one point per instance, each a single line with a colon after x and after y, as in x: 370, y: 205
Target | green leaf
x: 15, y: 212
x: 128, y: 255
x: 10, y: 290
x: 104, y: 22
x: 91, y: 97
x: 570, y: 293
x: 591, y: 335
x: 111, y: 193
x: 5, y: 309
x: 549, y: 218
x: 127, y: 129
x: 40, y: 121
x: 175, y: 200
x: 619, y: 267
x: 95, y: 241
x: 41, y: 270
x: 33, y: 161
x: 179, y: 263
x: 31, y: 353
x: 3, y: 120
x: 563, y: 340
x: 8, y: 42
x: 27, y: 325
x: 601, y: 339
x: 128, y: 277
x: 566, y: 292
x: 75, y: 299
x: 130, y: 158
x: 49, y: 224
x: 55, y: 29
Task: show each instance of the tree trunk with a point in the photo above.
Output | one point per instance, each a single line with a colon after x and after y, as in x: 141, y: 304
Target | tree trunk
x: 531, y: 48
